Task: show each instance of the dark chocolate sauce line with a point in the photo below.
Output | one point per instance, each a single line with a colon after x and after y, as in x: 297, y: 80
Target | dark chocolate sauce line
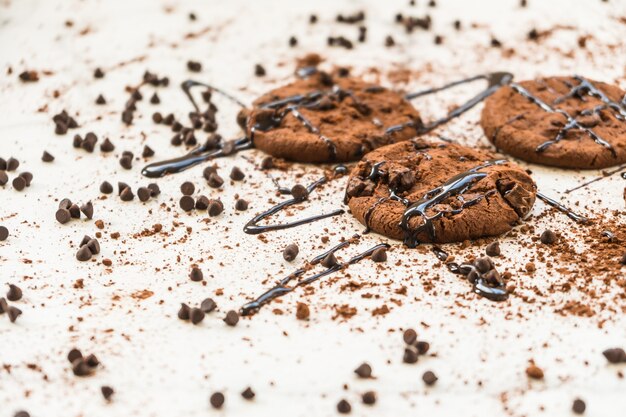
x: 604, y: 175
x: 281, y: 288
x: 455, y: 186
x: 586, y: 87
x: 569, y: 213
x: 196, y: 156
x: 495, y: 80
x: 189, y: 84
x: 252, y: 228
x: 571, y: 122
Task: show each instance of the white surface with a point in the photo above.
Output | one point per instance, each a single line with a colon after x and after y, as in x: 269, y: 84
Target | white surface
x: 160, y: 366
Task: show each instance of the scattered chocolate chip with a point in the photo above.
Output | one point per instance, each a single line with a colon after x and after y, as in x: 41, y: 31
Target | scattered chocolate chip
x: 237, y: 174
x: 208, y: 305
x: 196, y: 274
x: 291, y: 252
x: 615, y: 355
x: 483, y: 264
x: 389, y: 41
x: 232, y: 318
x: 429, y: 378
x: 87, y: 210
x: 147, y: 152
x: 4, y: 233
x: 202, y: 203
x: 379, y: 255
x: 107, y: 146
x: 215, y: 208
x: 215, y: 181
x: 66, y: 203
x: 364, y: 371
x: 187, y: 203
x: 73, y: 355
x: 81, y: 368
x: 14, y: 293
x: 302, y: 311
x: 21, y: 413
x: 217, y: 400
x: 241, y: 205
x: 579, y: 406
x: 126, y: 161
x: 157, y: 117
x: 47, y: 157
x: 422, y: 347
x: 267, y: 163
x: 107, y: 392
x: 369, y: 398
x: 259, y: 71
x: 194, y: 66
x: 63, y: 216
x: 94, y: 246
x: 495, y: 43
x: 493, y: 249
x: 100, y: 100
x: 144, y: 194
x: 4, y: 178
x: 83, y: 254
x: 248, y: 394
x: 29, y: 76
x: 28, y: 177
x: 534, y: 372
x: 4, y: 306
x: 74, y: 211
x: 293, y: 41
x: 155, y: 99
x: 344, y: 407
x: 89, y: 143
x: 19, y: 183
x: 329, y: 261
x: 98, y: 73
x: 154, y: 189
x: 184, y: 311
x: 410, y: 355
x: 196, y: 315
x: 187, y: 188
x: 13, y: 313
x: 299, y: 192
x: 106, y: 187
x: 127, y: 194
x: 548, y: 237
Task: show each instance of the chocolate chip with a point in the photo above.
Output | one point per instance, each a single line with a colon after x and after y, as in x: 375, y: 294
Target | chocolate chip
x: 615, y: 355
x: 196, y: 315
x: 73, y: 355
x: 241, y: 205
x: 107, y: 392
x: 80, y: 368
x: 293, y: 41
x: 312, y: 19
x: 66, y: 203
x: 217, y: 400
x: 329, y: 261
x: 183, y: 312
x: 107, y: 146
x: 3, y: 164
x: 237, y: 174
x: 92, y: 361
x: 248, y: 394
x: 100, y: 100
x: 302, y: 311
x: 4, y: 306
x: 369, y: 398
x: 422, y: 347
x: 493, y: 249
x: 187, y: 203
x: 12, y: 164
x: 121, y: 186
x: 87, y: 210
x: 154, y: 189
x: 215, y: 181
x: 208, y: 305
x: 147, y: 152
x: 410, y: 355
x: 106, y: 187
x: 21, y: 413
x: 155, y: 99
x: 127, y: 194
x: 28, y: 177
x: 83, y: 254
x: 4, y: 178
x: 364, y: 371
x: 259, y: 71
x: 483, y: 264
x: 389, y: 41
x: 98, y: 73
x: 63, y: 216
x: 379, y: 255
x: 232, y: 318
x: 157, y: 117
x: 126, y: 161
x: 579, y: 406
x: 196, y: 274
x: 267, y: 163
x: 74, y: 211
x: 344, y: 407
x: 299, y: 192
x: 548, y: 237
x: 89, y: 144
x: 215, y: 208
x: 4, y: 233
x: 47, y: 157
x: 14, y: 293
x: 429, y: 378
x: 291, y: 252
x: 13, y: 313
x: 187, y: 188
x: 144, y: 194
x: 202, y: 203
x: 94, y: 246
x: 534, y: 372
x: 19, y: 183
x: 194, y: 66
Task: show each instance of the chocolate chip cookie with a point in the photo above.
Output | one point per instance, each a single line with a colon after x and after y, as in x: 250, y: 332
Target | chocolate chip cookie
x: 568, y: 122
x: 329, y: 119
x: 430, y: 191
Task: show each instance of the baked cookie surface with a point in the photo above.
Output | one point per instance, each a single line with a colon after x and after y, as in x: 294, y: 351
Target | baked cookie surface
x: 568, y: 122
x: 424, y: 191
x: 324, y: 119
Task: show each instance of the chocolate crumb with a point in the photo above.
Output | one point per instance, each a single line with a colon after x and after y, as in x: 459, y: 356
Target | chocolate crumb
x: 534, y: 372
x: 302, y: 311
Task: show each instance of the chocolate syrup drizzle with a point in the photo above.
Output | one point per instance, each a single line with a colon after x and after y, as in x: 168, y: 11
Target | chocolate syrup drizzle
x: 579, y: 91
x: 495, y: 80
x: 604, y: 175
x: 253, y: 228
x: 282, y: 288
x: 569, y: 213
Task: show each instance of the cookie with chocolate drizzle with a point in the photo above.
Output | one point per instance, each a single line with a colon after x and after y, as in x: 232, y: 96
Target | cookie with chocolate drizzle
x: 568, y: 122
x: 324, y: 118
x: 424, y: 191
